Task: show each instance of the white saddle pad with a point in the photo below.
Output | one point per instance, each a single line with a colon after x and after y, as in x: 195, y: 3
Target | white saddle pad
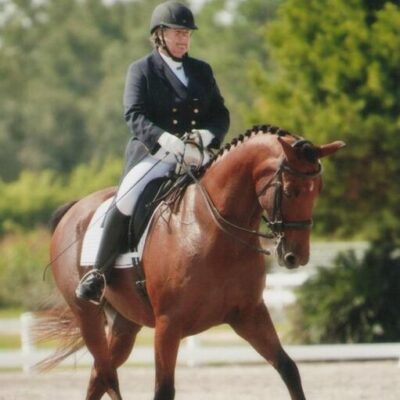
x: 93, y: 234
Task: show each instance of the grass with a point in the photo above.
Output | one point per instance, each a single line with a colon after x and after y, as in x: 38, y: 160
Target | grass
x: 221, y: 335
x: 10, y: 312
x: 217, y: 336
x: 9, y: 342
x: 145, y: 337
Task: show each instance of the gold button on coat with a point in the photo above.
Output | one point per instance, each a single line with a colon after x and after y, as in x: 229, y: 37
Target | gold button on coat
x: 175, y: 121
x: 193, y: 122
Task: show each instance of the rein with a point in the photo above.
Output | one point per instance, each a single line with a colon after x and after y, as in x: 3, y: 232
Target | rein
x: 219, y: 219
x: 276, y: 224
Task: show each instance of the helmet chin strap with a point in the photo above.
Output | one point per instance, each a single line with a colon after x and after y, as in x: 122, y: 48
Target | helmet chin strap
x: 165, y: 47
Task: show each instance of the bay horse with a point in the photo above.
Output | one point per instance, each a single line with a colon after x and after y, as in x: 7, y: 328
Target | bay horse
x: 202, y: 261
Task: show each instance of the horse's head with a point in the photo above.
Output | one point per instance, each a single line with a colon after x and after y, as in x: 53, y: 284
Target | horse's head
x: 289, y: 193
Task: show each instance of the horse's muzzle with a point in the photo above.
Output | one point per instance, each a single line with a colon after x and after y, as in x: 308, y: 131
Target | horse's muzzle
x: 289, y: 258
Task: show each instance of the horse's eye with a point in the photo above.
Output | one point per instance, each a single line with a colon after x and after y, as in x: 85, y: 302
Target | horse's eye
x: 291, y: 192
x: 288, y: 193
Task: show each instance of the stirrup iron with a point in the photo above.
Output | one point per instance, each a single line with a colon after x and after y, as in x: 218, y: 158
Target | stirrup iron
x: 82, y: 282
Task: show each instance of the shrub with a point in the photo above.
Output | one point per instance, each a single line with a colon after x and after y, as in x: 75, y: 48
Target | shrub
x: 22, y: 262
x: 355, y: 300
x: 31, y: 200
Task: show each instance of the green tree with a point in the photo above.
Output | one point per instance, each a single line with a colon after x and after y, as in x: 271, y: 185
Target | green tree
x: 15, y: 72
x: 230, y: 38
x: 335, y: 75
x: 63, y: 67
x: 69, y: 62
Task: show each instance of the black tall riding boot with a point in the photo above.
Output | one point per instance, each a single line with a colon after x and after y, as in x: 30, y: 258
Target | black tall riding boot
x: 91, y: 286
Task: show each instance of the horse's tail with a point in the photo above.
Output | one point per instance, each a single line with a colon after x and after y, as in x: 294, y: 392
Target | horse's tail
x: 59, y: 213
x: 61, y: 325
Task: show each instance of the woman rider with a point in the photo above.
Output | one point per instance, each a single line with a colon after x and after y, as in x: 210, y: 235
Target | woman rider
x: 167, y: 94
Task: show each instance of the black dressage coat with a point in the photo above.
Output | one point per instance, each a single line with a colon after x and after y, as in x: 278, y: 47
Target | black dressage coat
x: 156, y: 101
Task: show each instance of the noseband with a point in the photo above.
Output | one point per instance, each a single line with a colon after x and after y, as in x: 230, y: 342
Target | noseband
x: 275, y: 222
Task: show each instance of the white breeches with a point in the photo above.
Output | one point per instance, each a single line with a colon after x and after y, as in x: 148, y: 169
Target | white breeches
x: 137, y: 178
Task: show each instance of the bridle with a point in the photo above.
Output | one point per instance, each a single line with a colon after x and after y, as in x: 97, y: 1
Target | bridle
x: 275, y: 223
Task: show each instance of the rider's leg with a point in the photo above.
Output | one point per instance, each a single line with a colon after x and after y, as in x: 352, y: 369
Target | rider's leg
x: 92, y: 285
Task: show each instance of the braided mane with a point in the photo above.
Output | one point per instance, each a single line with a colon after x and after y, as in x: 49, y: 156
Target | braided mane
x: 253, y: 131
x: 256, y: 129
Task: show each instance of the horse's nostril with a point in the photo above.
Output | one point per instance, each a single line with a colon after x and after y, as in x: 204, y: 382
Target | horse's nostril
x: 290, y: 260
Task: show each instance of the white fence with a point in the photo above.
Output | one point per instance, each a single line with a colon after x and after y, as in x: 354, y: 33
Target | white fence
x: 194, y: 350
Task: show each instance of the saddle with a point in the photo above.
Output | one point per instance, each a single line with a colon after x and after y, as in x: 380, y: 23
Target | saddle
x: 170, y: 189
x: 159, y: 189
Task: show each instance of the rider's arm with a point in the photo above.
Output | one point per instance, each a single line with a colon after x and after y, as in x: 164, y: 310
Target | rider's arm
x: 135, y: 106
x: 218, y: 120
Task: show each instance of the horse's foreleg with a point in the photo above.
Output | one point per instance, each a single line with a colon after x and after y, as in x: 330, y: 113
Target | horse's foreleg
x: 167, y: 341
x: 255, y: 326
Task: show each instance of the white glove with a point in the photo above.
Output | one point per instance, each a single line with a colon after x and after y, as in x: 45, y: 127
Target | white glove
x: 206, y: 136
x: 192, y: 155
x: 172, y: 144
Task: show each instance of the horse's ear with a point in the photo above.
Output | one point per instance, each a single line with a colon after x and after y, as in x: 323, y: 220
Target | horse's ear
x: 328, y: 149
x: 287, y: 149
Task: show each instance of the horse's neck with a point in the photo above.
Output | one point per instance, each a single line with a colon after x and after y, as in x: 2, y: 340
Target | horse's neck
x: 229, y: 182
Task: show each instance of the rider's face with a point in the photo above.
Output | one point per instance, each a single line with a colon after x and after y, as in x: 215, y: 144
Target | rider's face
x: 177, y: 41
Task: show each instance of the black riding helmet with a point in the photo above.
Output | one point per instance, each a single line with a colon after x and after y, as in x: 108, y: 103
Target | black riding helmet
x: 172, y: 15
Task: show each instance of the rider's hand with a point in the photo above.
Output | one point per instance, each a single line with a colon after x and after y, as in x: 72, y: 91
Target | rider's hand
x: 192, y: 155
x: 172, y: 144
x: 206, y: 136
x: 187, y: 153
